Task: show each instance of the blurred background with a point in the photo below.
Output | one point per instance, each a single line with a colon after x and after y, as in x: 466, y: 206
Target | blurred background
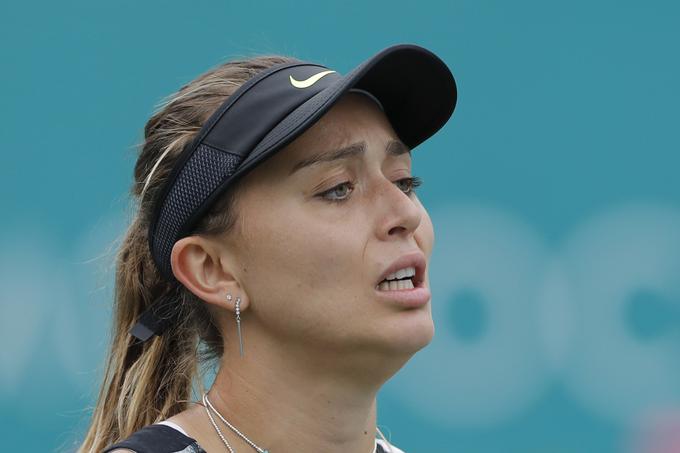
x: 553, y: 191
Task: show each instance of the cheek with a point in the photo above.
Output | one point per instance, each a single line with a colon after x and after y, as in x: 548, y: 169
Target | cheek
x: 302, y: 286
x: 294, y: 258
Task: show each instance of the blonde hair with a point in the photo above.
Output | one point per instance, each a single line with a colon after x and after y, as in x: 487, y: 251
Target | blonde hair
x: 147, y: 382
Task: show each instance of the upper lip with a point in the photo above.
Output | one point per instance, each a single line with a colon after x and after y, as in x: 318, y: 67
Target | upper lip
x: 413, y: 259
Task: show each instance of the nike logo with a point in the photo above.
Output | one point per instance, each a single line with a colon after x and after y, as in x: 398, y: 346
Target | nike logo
x: 308, y: 82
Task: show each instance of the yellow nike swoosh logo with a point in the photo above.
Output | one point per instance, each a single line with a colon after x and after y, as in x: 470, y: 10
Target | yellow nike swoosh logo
x: 308, y: 82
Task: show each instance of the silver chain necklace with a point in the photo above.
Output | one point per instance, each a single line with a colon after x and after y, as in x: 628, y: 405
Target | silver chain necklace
x: 233, y: 428
x: 207, y: 404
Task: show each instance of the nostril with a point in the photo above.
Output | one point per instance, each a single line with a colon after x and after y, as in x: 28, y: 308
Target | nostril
x: 398, y: 228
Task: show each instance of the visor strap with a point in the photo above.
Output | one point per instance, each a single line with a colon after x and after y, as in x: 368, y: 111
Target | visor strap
x: 155, y: 319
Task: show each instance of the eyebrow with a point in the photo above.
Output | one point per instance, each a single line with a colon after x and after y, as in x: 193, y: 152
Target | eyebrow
x: 393, y: 148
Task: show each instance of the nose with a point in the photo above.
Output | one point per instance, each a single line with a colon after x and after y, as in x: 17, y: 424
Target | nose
x: 399, y: 213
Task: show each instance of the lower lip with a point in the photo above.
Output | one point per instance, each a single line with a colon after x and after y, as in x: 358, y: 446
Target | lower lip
x: 407, y: 298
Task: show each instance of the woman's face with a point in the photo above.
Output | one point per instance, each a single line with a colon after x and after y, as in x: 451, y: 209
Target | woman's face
x: 309, y: 264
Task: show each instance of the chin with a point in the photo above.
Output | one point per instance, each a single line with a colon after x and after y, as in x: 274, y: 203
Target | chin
x: 413, y: 334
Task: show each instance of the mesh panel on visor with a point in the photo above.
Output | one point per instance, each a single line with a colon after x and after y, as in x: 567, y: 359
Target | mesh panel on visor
x: 187, y: 195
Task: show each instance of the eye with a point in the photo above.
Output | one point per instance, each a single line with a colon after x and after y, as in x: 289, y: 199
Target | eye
x: 412, y: 183
x: 410, y: 186
x: 335, y: 190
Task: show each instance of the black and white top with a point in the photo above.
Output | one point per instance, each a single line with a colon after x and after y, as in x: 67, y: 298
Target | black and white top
x: 168, y: 437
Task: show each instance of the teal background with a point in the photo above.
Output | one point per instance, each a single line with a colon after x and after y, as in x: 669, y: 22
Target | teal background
x: 553, y: 191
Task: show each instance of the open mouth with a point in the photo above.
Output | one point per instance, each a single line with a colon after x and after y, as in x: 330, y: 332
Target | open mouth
x: 396, y: 284
x: 404, y: 274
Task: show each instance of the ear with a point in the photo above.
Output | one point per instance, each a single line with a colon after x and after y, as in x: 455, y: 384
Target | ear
x: 209, y: 271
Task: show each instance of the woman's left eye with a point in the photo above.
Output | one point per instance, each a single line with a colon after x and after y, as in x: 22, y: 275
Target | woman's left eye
x: 411, y: 183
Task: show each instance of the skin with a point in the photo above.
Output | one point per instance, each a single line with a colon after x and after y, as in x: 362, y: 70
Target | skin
x: 318, y: 344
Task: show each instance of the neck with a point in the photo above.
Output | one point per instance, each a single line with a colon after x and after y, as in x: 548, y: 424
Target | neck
x: 298, y: 402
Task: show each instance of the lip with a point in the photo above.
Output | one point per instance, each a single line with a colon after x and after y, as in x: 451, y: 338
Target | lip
x: 408, y: 298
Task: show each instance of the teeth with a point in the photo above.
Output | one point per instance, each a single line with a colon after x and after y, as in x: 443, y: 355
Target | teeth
x: 395, y: 285
x: 401, y: 273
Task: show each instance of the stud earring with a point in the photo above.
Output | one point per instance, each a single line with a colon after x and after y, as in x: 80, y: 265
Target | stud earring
x: 238, y: 322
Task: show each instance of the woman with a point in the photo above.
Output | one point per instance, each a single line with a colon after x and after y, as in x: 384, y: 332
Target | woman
x: 276, y: 200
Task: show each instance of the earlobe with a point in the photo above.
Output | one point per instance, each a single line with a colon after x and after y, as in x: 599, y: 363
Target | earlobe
x: 232, y: 297
x: 199, y: 267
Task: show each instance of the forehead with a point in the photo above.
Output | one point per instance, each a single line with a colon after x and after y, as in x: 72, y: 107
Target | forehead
x: 353, y: 118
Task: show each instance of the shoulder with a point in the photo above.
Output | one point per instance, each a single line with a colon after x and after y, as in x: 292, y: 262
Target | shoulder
x: 156, y: 438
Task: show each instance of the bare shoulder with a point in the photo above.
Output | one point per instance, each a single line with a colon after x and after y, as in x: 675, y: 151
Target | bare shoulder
x: 188, y: 418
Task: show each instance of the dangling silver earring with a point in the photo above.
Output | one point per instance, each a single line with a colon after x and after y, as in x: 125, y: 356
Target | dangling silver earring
x: 238, y: 322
